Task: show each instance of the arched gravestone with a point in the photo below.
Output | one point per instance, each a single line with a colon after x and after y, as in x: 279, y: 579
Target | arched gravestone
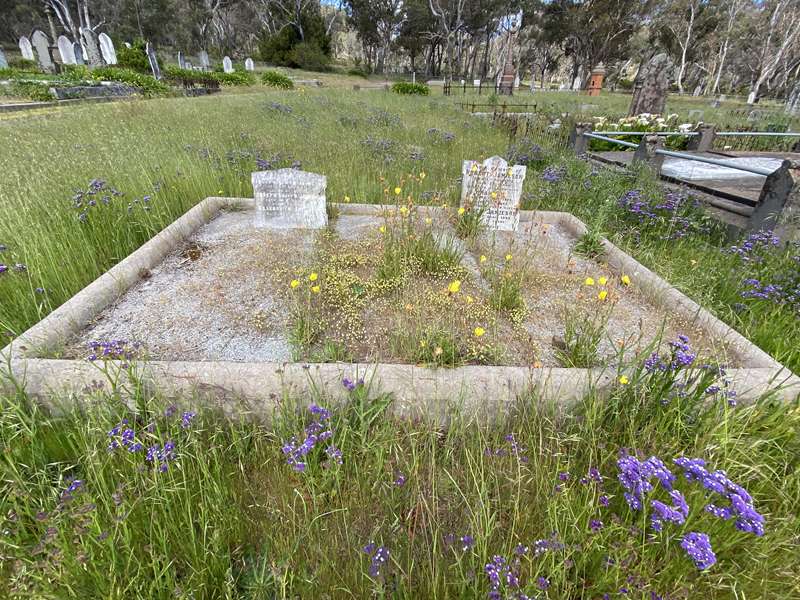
x: 66, y: 50
x: 650, y: 86
x: 249, y: 65
x: 227, y: 65
x: 41, y: 43
x: 77, y: 52
x: 204, y: 62
x: 107, y: 49
x: 92, y: 49
x: 26, y: 48
x: 3, y: 61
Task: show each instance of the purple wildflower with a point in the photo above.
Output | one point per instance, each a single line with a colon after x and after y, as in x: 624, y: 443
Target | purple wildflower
x: 698, y: 547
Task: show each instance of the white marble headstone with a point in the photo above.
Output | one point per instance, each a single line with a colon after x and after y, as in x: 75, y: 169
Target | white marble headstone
x: 26, y: 48
x: 290, y: 199
x: 249, y: 64
x: 204, y: 62
x: 42, y: 44
x: 107, y: 49
x: 3, y: 61
x: 494, y: 188
x: 66, y: 50
x: 227, y: 65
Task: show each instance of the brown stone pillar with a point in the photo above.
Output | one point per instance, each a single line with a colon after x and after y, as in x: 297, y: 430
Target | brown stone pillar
x: 596, y: 80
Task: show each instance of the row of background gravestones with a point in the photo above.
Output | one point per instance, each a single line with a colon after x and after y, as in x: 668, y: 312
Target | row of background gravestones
x: 97, y: 51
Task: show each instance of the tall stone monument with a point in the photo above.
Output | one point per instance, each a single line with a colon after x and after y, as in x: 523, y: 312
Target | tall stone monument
x: 181, y: 60
x: 26, y: 48
x: 290, y: 199
x: 505, y: 84
x: 227, y: 65
x: 41, y: 42
x: 66, y: 50
x: 93, y: 56
x: 107, y: 49
x: 650, y: 86
x: 493, y: 188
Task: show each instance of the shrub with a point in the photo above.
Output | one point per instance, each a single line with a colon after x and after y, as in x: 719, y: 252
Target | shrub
x: 357, y: 72
x: 149, y: 86
x: 310, y: 57
x: 404, y: 87
x: 76, y: 72
x: 23, y: 64
x: 28, y: 89
x: 235, y: 78
x: 135, y: 57
x: 278, y: 80
x: 189, y: 76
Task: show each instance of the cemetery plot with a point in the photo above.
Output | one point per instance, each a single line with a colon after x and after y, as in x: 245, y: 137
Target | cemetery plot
x: 391, y: 286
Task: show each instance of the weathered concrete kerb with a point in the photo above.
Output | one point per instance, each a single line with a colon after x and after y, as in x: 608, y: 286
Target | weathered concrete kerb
x: 418, y: 391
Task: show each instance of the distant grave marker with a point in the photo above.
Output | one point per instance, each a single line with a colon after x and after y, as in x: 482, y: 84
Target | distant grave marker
x: 290, y: 199
x: 41, y: 42
x: 153, y: 60
x: 650, y: 86
x: 107, y: 49
x: 249, y: 65
x: 495, y: 188
x: 227, y: 65
x: 26, y: 48
x: 92, y: 47
x: 696, y: 115
x: 3, y: 61
x: 181, y: 60
x: 77, y: 52
x: 66, y: 50
x: 204, y: 62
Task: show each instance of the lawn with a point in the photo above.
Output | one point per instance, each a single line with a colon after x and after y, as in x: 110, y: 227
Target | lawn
x: 111, y: 501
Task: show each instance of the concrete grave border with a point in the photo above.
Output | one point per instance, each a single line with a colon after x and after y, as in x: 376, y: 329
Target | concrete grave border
x: 418, y: 391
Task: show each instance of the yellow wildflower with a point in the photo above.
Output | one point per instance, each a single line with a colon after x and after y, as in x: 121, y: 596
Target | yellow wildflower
x: 589, y: 281
x: 437, y: 351
x: 626, y: 280
x: 454, y: 286
x: 347, y: 198
x: 474, y: 167
x: 483, y: 258
x: 508, y: 257
x: 313, y: 277
x: 422, y: 343
x: 461, y: 210
x: 221, y: 192
x: 397, y: 191
x: 602, y: 295
x: 422, y: 175
x: 403, y: 211
x: 479, y: 331
x: 470, y: 300
x: 409, y: 307
x: 294, y: 283
x: 510, y: 171
x: 624, y: 380
x: 382, y: 229
x: 494, y: 195
x: 602, y: 280
x: 428, y: 220
x: 315, y: 289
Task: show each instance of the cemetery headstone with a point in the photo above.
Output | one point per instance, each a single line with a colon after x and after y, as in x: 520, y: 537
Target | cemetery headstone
x: 476, y: 82
x: 187, y: 65
x: 26, y: 48
x: 290, y: 199
x: 204, y: 62
x: 227, y: 65
x: 751, y: 97
x: 107, y: 49
x: 3, y: 61
x: 181, y: 60
x: 66, y: 50
x: 650, y: 86
x: 93, y: 56
x: 41, y: 42
x: 516, y: 82
x: 698, y: 90
x: 494, y: 188
x: 576, y: 83
x: 153, y: 60
x: 249, y: 64
x: 77, y: 52
x: 715, y: 103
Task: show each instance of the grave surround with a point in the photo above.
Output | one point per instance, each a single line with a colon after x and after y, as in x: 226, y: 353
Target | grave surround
x: 257, y: 388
